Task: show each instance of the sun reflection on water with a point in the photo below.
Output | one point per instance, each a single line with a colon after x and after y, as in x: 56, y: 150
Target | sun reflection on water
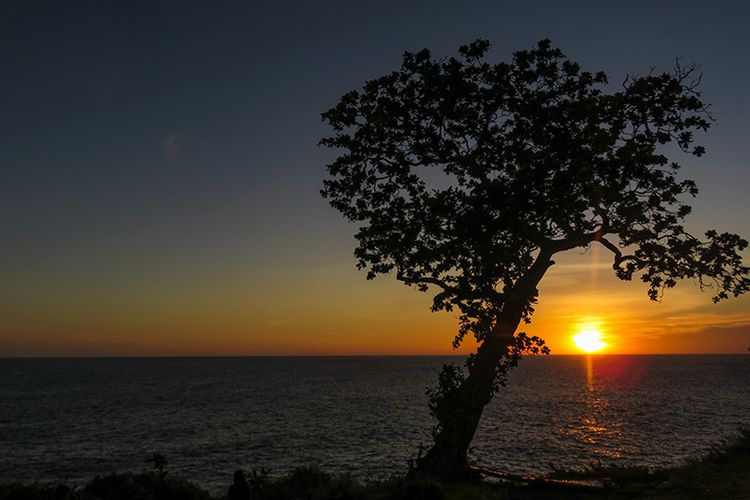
x: 598, y: 425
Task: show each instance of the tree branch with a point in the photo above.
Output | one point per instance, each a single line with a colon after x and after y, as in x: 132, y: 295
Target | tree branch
x: 447, y: 289
x: 619, y: 257
x: 579, y: 240
x: 426, y: 280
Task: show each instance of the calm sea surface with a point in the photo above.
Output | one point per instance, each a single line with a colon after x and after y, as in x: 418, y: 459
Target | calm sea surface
x: 70, y: 419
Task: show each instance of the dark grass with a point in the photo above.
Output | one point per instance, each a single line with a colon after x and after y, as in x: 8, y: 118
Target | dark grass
x: 723, y: 473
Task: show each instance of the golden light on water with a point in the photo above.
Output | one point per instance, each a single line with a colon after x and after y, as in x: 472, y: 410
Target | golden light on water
x: 589, y: 340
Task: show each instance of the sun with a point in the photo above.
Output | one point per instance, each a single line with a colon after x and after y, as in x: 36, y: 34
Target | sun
x: 589, y: 341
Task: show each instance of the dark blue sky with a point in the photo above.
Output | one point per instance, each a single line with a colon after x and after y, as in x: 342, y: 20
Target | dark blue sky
x: 165, y: 147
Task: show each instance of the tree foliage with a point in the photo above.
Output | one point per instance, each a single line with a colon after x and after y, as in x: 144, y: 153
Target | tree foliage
x: 460, y: 172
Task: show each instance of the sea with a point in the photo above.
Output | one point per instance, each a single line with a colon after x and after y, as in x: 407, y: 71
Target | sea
x: 67, y: 420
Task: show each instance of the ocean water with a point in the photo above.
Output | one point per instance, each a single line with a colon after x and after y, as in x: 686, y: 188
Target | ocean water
x: 70, y: 419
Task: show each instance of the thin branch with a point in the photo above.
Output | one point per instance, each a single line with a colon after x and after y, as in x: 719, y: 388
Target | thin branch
x: 569, y: 243
x: 426, y: 280
x: 448, y: 289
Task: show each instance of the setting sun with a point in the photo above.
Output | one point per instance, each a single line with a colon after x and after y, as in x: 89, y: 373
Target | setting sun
x: 589, y: 341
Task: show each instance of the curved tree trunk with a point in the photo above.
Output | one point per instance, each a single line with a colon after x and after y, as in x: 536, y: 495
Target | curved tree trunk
x: 461, y: 413
x: 462, y: 407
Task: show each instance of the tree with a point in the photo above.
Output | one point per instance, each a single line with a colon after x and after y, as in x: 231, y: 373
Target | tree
x: 466, y: 178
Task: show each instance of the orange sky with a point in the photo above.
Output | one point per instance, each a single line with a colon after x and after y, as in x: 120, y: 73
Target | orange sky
x: 333, y: 310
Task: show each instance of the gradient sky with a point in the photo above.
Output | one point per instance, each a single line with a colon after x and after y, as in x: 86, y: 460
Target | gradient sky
x: 159, y: 174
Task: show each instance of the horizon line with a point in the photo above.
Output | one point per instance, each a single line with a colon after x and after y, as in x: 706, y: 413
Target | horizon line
x: 238, y: 356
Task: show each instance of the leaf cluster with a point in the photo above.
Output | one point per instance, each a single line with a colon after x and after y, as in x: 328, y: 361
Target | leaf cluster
x: 462, y: 173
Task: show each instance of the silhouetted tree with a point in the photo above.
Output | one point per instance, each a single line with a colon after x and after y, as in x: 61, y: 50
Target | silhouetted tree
x: 466, y: 178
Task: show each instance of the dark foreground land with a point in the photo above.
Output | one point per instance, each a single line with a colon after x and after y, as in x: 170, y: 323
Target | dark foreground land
x: 722, y: 474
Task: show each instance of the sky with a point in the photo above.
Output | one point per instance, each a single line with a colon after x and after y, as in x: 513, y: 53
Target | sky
x: 160, y: 174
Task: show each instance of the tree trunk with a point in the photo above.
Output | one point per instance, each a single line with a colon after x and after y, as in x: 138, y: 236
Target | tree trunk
x: 462, y: 407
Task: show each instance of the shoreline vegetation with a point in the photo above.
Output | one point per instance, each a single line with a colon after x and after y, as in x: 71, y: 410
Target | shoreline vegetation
x: 723, y: 473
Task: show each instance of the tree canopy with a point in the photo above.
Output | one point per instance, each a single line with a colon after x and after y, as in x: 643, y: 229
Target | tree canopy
x: 460, y: 173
